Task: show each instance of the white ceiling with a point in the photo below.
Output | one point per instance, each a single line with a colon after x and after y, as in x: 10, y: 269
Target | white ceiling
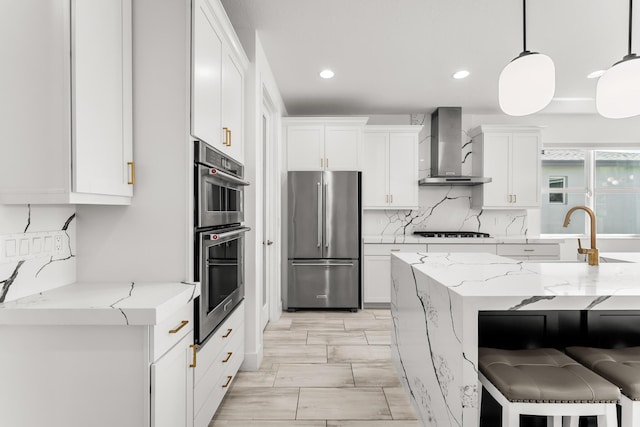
x: 397, y: 56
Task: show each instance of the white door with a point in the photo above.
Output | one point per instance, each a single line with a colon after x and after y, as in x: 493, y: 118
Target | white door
x: 232, y: 107
x: 305, y: 147
x: 342, y: 148
x: 375, y: 170
x: 377, y: 279
x: 496, y: 161
x: 525, y: 167
x: 403, y: 170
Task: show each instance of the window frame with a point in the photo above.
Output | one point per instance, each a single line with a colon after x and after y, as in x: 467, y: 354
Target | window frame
x: 590, y: 190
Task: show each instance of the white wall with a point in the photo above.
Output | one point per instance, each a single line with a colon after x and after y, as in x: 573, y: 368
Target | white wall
x: 259, y: 79
x: 29, y: 275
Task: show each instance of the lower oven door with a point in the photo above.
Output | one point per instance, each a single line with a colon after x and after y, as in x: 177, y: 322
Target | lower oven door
x: 221, y: 275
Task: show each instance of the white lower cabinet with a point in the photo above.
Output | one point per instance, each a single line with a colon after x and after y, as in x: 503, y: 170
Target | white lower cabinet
x: 377, y: 270
x: 546, y: 251
x: 217, y: 364
x: 489, y: 248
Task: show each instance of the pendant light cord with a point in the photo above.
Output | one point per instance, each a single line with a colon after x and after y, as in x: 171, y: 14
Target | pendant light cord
x: 630, y: 22
x: 524, y: 26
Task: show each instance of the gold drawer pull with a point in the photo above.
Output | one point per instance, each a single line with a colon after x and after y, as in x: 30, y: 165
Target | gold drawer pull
x: 228, y: 357
x: 395, y: 250
x: 133, y: 173
x: 229, y: 378
x: 182, y: 325
x: 193, y: 347
x: 228, y: 333
x: 229, y: 143
x: 226, y: 136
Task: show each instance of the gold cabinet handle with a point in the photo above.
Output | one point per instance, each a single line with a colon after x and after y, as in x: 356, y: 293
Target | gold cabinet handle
x: 229, y: 378
x: 510, y: 198
x: 229, y: 141
x: 386, y: 198
x: 226, y: 136
x: 193, y: 348
x: 182, y: 325
x: 228, y: 357
x: 391, y: 198
x: 515, y: 198
x: 228, y: 333
x: 133, y: 173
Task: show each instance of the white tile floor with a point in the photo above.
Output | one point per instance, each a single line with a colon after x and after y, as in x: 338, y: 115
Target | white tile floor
x: 321, y: 369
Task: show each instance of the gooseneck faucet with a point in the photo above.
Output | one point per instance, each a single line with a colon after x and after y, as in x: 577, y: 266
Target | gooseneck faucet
x: 593, y: 256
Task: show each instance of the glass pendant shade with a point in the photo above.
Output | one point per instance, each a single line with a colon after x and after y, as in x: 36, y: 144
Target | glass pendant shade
x: 618, y: 90
x: 527, y: 84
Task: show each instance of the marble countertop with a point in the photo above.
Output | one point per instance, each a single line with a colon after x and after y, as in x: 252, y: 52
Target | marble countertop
x: 488, y: 275
x: 398, y: 239
x: 100, y: 304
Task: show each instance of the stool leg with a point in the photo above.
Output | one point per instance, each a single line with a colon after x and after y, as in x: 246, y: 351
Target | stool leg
x: 554, y: 421
x: 510, y: 418
x: 570, y: 421
x: 610, y: 417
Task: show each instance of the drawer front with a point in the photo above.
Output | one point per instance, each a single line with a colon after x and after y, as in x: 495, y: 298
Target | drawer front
x: 170, y: 331
x: 226, y: 333
x: 386, y: 249
x: 454, y: 248
x: 216, y: 391
x: 231, y: 355
x: 529, y: 250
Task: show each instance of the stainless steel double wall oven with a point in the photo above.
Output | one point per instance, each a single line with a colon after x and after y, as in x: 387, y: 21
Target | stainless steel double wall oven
x: 219, y: 237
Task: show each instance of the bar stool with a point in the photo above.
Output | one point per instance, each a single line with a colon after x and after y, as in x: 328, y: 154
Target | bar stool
x: 621, y: 366
x: 548, y: 383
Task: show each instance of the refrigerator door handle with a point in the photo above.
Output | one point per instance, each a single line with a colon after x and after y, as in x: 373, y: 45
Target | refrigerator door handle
x: 309, y: 264
x: 327, y: 226
x: 319, y: 216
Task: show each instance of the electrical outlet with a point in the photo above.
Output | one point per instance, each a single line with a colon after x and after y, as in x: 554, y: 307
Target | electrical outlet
x: 57, y: 243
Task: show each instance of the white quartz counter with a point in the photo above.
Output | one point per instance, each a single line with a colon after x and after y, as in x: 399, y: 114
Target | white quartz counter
x: 435, y: 302
x: 397, y: 239
x: 100, y: 304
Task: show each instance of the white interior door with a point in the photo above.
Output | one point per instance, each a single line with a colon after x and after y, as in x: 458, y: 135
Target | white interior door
x: 267, y: 225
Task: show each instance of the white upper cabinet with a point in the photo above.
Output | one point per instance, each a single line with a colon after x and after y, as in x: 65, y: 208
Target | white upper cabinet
x: 217, y: 80
x: 510, y: 156
x: 324, y: 143
x: 66, y: 103
x: 390, y: 167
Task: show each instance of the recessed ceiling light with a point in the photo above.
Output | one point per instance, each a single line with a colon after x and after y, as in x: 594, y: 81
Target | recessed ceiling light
x: 326, y: 74
x: 461, y: 74
x: 595, y: 74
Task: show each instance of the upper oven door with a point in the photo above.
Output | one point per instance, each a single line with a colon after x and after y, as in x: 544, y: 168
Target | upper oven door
x: 219, y: 197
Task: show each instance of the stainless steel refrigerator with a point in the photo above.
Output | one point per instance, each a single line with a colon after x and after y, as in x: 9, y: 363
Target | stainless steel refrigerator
x: 324, y: 239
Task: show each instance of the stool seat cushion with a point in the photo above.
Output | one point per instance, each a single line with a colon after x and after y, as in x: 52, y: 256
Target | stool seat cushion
x: 543, y: 375
x: 621, y: 366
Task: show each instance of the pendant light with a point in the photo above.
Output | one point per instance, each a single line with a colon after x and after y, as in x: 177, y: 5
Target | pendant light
x: 618, y: 90
x: 527, y: 83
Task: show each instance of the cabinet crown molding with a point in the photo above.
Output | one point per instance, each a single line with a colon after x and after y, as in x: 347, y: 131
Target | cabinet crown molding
x: 344, y: 120
x: 393, y: 128
x: 504, y: 128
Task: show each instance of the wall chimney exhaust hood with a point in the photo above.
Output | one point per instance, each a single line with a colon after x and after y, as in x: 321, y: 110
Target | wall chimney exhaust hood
x: 446, y: 150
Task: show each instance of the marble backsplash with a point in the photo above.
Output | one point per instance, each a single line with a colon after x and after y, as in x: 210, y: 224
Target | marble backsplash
x: 31, y: 275
x: 446, y: 208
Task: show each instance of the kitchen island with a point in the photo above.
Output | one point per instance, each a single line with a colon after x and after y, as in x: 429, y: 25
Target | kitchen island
x: 436, y: 299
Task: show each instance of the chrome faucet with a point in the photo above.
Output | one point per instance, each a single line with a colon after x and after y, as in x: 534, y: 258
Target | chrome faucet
x: 593, y: 256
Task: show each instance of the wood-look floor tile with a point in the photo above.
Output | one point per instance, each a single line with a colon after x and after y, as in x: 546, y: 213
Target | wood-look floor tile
x: 358, y: 353
x: 401, y: 423
x: 375, y: 375
x: 285, y: 337
x: 262, y: 378
x: 314, y: 375
x: 265, y: 423
x: 399, y: 403
x: 282, y: 324
x: 263, y: 403
x: 342, y: 404
x: 337, y: 337
x: 367, y: 324
x: 294, y: 353
x: 378, y: 337
x: 317, y: 324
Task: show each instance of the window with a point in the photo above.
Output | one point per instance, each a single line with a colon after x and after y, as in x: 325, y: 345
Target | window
x: 607, y: 181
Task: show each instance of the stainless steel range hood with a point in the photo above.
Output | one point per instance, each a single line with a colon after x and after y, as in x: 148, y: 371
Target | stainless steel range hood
x: 446, y: 150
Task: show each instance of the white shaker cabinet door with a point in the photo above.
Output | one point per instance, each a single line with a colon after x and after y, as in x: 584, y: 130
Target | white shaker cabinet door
x: 497, y: 164
x: 305, y: 147
x: 377, y: 279
x: 375, y: 170
x: 403, y: 170
x: 172, y: 387
x: 525, y: 167
x: 206, y: 88
x: 232, y: 106
x: 342, y: 148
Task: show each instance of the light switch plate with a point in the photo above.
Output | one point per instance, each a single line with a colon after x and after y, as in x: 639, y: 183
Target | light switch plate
x: 24, y: 246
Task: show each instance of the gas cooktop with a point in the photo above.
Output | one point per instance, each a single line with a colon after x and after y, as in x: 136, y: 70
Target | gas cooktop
x: 450, y: 234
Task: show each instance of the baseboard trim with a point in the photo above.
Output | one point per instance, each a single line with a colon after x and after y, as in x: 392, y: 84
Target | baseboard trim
x: 252, y: 361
